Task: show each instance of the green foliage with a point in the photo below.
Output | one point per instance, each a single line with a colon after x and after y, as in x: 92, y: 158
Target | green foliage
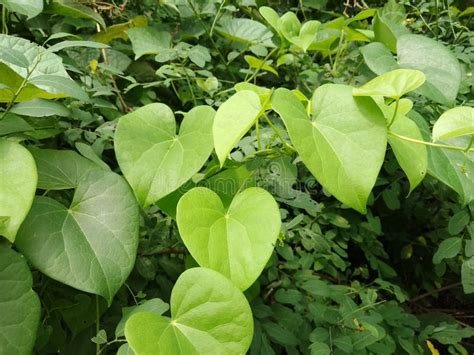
x: 208, y: 177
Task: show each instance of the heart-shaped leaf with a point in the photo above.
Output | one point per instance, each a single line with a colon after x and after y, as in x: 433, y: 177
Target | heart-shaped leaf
x: 18, y: 178
x: 98, y: 230
x: 233, y: 119
x: 346, y: 135
x: 30, y: 8
x: 299, y: 35
x: 238, y: 241
x: 19, y: 304
x: 154, y: 159
x: 393, y: 84
x: 209, y: 315
x: 456, y: 122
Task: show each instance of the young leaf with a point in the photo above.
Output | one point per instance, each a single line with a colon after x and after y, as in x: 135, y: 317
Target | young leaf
x: 378, y: 58
x: 271, y: 16
x: 346, y: 135
x: 442, y: 69
x: 301, y: 36
x: 209, y: 315
x: 18, y: 179
x: 236, y: 241
x: 448, y: 248
x: 155, y: 306
x: 453, y: 123
x: 99, y: 229
x: 233, y: 119
x: 19, y: 305
x: 154, y: 159
x: 259, y: 64
x: 393, y: 84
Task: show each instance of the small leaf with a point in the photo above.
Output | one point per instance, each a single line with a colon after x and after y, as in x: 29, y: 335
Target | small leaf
x: 378, y: 58
x: 19, y: 305
x: 18, y: 179
x: 237, y: 241
x: 71, y: 44
x: 467, y: 275
x: 40, y: 108
x: 209, y: 316
x: 448, y: 248
x: 271, y: 16
x: 100, y: 338
x: 233, y: 119
x: 393, y: 84
x: 458, y: 222
x: 259, y: 64
x: 148, y: 40
x: 453, y: 123
x: 153, y: 158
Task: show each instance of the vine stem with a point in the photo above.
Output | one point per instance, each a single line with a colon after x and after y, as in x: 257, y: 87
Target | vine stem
x: 436, y: 145
x: 468, y: 148
x: 97, y: 323
x: 4, y: 20
x: 394, y: 113
x: 257, y: 129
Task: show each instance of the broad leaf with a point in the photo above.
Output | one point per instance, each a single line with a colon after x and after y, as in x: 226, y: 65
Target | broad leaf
x: 345, y: 136
x: 209, y: 315
x: 148, y: 40
x: 99, y: 229
x: 393, y: 84
x: 233, y: 119
x: 301, y: 36
x: 72, y: 8
x: 19, y: 305
x: 40, y: 108
x: 12, y: 124
x: 62, y: 85
x: 387, y: 31
x: 60, y: 169
x: 442, y: 69
x: 18, y: 179
x: 237, y: 241
x: 29, y: 8
x: 378, y: 58
x: 271, y: 16
x: 246, y: 31
x: 154, y: 159
x: 453, y: 123
x: 448, y: 248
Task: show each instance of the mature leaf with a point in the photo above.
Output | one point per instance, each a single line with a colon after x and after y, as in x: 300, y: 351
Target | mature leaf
x: 71, y: 8
x: 467, y: 275
x: 237, y: 241
x: 209, y: 316
x: 393, y: 84
x: 18, y: 179
x: 453, y: 123
x: 19, y: 305
x: 442, y: 70
x: 60, y: 169
x: 387, y: 31
x: 346, y: 135
x: 148, y: 40
x: 40, y: 108
x: 60, y: 85
x: 29, y: 8
x: 12, y: 56
x: 154, y: 306
x: 233, y: 119
x: 448, y: 248
x: 246, y: 31
x: 458, y: 222
x: 72, y: 44
x: 154, y: 159
x: 12, y: 124
x: 98, y: 230
x: 378, y: 58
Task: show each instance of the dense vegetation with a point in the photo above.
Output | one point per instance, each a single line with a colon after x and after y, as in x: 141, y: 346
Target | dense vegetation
x: 317, y: 198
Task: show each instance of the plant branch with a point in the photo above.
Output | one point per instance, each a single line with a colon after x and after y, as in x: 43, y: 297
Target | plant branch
x: 436, y: 145
x: 394, y: 113
x: 431, y: 293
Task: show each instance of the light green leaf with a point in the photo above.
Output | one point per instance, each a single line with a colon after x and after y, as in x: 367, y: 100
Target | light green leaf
x: 388, y: 31
x: 12, y: 56
x: 72, y: 8
x: 259, y: 64
x: 155, y: 306
x: 301, y: 36
x: 18, y: 179
x: 467, y: 275
x: 60, y: 85
x: 209, y: 316
x: 19, y: 305
x: 271, y: 16
x: 345, y: 135
x: 60, y: 169
x: 378, y: 58
x: 70, y: 44
x: 442, y: 69
x: 448, y: 248
x: 233, y: 119
x: 453, y: 168
x: 29, y: 8
x: 154, y: 159
x: 99, y: 229
x: 40, y: 108
x: 246, y: 31
x: 237, y: 241
x: 453, y: 123
x: 87, y: 151
x: 393, y: 84
x: 148, y: 40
